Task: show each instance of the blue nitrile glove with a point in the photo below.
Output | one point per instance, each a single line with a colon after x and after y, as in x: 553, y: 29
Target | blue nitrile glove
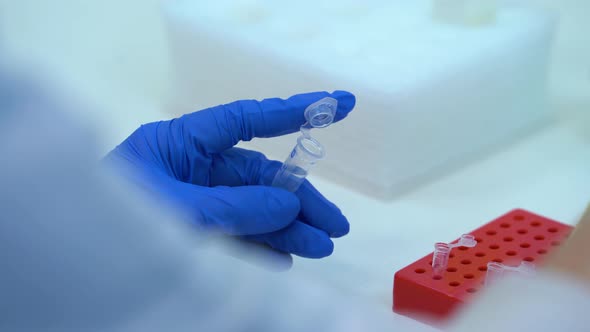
x: 191, y: 162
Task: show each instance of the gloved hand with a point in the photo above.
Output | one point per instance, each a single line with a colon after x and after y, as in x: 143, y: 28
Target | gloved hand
x: 191, y: 162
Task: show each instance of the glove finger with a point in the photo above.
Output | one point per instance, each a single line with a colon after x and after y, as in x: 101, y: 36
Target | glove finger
x: 245, y: 210
x: 298, y: 239
x: 239, y: 167
x: 319, y: 212
x: 243, y: 120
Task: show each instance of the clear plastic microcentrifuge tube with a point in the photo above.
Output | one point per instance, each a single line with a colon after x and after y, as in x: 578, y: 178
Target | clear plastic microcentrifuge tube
x: 308, y: 151
x: 497, y: 270
x: 440, y: 257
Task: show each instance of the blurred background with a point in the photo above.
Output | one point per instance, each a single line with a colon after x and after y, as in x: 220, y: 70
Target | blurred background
x: 464, y: 111
x: 115, y: 51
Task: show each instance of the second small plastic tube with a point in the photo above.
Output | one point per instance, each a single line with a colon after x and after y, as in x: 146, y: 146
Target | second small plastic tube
x: 442, y: 252
x: 440, y: 258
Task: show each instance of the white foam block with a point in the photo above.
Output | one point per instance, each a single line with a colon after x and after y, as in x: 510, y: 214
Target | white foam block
x: 430, y: 95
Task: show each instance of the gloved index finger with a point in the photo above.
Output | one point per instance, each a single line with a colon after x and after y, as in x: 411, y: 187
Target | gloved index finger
x: 219, y: 128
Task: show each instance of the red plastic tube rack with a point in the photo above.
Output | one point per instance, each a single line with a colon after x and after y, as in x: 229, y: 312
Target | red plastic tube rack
x: 512, y: 238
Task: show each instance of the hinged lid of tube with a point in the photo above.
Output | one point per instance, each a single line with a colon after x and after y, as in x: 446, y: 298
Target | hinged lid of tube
x: 321, y: 113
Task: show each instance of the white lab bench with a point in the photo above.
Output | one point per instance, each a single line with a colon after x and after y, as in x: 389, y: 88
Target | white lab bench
x: 546, y: 172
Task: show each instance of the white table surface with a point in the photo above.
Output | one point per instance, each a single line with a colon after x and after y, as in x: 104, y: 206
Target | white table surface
x: 547, y: 172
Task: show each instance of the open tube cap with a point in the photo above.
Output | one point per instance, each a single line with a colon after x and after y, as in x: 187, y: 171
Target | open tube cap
x: 321, y: 113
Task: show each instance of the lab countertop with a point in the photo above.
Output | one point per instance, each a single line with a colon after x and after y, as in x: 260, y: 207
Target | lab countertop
x: 545, y: 172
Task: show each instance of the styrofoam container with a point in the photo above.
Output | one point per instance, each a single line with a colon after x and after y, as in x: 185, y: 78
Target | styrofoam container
x: 430, y: 95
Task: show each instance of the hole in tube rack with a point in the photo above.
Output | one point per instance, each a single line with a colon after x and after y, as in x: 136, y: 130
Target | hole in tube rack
x: 419, y: 271
x: 483, y: 268
x: 535, y: 224
x: 491, y: 232
x: 552, y: 230
x: 437, y: 277
x: 451, y: 255
x: 539, y: 237
x: 468, y: 276
x: 542, y: 251
x: 471, y: 290
x: 430, y: 263
x: 479, y: 240
x: 529, y: 259
x: 452, y: 269
x: 480, y: 254
x: 508, y: 239
x: 465, y: 262
x: 454, y: 283
x: 497, y: 260
x: 522, y: 231
x: 505, y: 225
x: 525, y: 245
x: 518, y: 217
x: 463, y: 248
x: 494, y: 246
x: 511, y: 253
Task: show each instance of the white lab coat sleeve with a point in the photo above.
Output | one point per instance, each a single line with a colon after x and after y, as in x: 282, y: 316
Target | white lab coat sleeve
x: 549, y: 302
